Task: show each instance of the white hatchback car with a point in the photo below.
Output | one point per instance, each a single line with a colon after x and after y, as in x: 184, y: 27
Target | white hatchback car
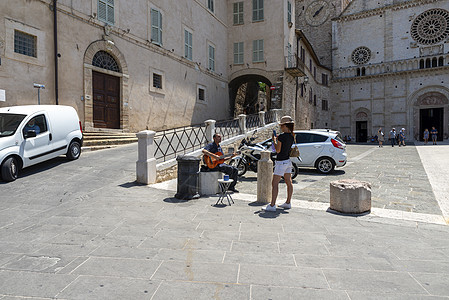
x: 31, y: 134
x: 322, y: 149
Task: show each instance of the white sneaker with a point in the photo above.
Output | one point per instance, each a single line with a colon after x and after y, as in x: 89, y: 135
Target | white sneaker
x: 285, y: 206
x: 269, y: 208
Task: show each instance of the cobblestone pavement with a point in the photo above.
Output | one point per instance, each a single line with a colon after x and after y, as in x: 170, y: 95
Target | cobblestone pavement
x: 396, y: 174
x: 85, y: 230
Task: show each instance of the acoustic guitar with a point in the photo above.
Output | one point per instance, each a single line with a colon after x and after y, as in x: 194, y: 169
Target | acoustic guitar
x: 212, y: 162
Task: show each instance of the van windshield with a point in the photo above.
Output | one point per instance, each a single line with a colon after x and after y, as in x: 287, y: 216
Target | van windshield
x: 9, y: 123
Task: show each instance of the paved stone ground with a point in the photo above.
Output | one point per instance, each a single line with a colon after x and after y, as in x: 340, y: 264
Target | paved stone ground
x: 397, y: 176
x: 85, y: 230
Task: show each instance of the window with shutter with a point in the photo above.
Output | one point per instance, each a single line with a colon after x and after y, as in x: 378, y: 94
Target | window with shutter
x: 258, y: 51
x: 188, y: 45
x: 211, y: 58
x: 289, y: 11
x: 238, y: 53
x: 210, y: 5
x: 238, y: 13
x: 106, y: 11
x: 257, y: 10
x: 156, y: 26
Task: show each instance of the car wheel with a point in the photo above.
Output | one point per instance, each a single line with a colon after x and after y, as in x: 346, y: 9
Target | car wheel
x: 240, y: 165
x: 325, y: 165
x: 295, y: 171
x: 74, y: 150
x: 10, y: 169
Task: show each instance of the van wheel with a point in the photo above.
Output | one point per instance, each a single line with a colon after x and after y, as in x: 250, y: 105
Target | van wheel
x: 325, y: 165
x: 10, y: 169
x: 74, y: 150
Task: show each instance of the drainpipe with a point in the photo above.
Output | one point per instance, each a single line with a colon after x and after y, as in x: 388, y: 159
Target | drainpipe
x: 297, y: 79
x: 55, y: 39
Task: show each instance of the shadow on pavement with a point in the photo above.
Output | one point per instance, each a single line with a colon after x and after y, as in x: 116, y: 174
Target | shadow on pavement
x: 175, y: 200
x: 41, y: 167
x: 255, y: 203
x: 315, y: 172
x: 334, y: 212
x: 271, y: 214
x: 131, y: 184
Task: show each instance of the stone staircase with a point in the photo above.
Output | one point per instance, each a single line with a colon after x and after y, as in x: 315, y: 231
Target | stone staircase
x: 96, y: 140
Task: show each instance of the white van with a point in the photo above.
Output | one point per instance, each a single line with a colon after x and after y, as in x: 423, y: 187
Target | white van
x: 34, y: 133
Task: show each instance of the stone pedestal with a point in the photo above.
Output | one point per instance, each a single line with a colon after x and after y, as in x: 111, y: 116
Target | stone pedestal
x: 146, y: 164
x: 209, y: 183
x: 210, y: 130
x: 264, y: 177
x: 242, y: 124
x: 350, y: 196
x: 261, y: 118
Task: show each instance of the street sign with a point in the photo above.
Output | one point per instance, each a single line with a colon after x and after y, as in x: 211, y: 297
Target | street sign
x: 272, y: 87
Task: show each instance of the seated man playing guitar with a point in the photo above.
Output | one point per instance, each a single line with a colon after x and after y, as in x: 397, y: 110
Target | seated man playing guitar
x: 213, y: 156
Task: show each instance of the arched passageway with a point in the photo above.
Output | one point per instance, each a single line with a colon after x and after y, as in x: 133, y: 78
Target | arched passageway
x: 249, y: 94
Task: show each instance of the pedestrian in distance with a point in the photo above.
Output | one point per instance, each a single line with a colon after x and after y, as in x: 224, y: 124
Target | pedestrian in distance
x: 380, y: 137
x: 216, y: 161
x: 392, y: 136
x: 402, y: 137
x: 426, y: 136
x: 283, y: 166
x: 434, y: 134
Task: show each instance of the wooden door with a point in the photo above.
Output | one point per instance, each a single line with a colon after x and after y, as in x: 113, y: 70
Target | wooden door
x: 106, y: 91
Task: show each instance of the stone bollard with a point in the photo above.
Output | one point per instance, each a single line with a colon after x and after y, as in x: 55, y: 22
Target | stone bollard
x: 210, y: 130
x: 242, y: 124
x: 261, y: 118
x: 350, y: 196
x: 146, y: 163
x: 264, y: 177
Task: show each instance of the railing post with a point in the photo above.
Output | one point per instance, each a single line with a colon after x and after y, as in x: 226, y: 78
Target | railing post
x: 242, y: 124
x: 146, y: 163
x: 277, y: 114
x: 210, y: 130
x: 261, y: 118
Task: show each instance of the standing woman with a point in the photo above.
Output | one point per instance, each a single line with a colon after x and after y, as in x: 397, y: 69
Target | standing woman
x: 434, y: 134
x: 283, y: 166
x: 426, y: 136
x: 380, y: 137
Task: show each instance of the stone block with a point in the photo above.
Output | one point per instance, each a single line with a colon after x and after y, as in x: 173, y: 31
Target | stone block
x: 350, y: 196
x: 264, y: 177
x: 209, y: 183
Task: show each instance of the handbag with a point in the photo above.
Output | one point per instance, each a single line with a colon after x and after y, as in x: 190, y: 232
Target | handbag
x: 294, y: 152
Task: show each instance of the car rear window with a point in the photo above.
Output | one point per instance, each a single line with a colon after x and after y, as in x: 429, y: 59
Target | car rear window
x: 305, y: 137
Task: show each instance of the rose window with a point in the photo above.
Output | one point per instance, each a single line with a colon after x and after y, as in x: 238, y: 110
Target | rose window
x: 361, y: 55
x: 431, y: 27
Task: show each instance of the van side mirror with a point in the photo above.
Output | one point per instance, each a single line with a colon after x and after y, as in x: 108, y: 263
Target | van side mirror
x: 30, y: 134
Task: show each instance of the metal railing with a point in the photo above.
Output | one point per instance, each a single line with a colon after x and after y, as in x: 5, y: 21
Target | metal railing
x: 252, y: 121
x: 172, y: 142
x: 228, y: 129
x: 270, y: 117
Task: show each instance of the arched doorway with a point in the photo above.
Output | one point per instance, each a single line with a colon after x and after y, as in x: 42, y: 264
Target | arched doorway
x: 105, y: 87
x: 106, y: 92
x: 432, y: 106
x: 362, y: 123
x: 249, y: 94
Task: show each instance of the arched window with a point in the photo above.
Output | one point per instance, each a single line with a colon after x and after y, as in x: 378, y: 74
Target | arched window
x: 434, y: 62
x: 440, y: 61
x: 358, y: 71
x: 104, y: 60
x: 363, y: 71
x: 421, y: 64
x: 428, y: 63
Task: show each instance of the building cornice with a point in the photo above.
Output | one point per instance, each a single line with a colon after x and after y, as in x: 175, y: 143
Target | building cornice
x: 382, y: 10
x: 395, y: 74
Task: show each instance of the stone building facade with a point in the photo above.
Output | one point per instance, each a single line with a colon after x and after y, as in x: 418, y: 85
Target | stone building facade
x: 127, y: 65
x: 153, y: 64
x: 390, y: 64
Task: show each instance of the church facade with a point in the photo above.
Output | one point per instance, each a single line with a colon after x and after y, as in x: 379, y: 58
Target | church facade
x: 390, y: 64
